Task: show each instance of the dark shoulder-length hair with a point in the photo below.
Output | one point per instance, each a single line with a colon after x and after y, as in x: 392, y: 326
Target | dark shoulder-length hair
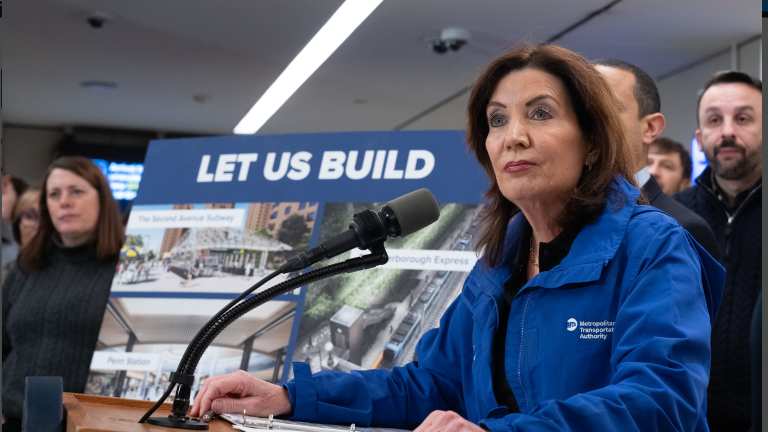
x: 597, y: 113
x: 109, y: 232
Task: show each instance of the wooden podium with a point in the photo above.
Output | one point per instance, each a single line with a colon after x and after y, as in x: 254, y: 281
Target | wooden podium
x: 85, y: 413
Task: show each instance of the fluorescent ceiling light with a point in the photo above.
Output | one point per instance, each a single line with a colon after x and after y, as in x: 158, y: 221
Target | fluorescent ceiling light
x: 346, y: 19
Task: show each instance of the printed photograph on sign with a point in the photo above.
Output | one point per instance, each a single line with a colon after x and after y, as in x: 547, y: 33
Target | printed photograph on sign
x: 222, y: 247
x: 374, y: 319
x: 142, y: 340
x: 179, y: 265
x: 139, y: 382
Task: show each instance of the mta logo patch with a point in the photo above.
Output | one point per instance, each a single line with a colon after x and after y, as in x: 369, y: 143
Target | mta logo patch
x: 572, y: 324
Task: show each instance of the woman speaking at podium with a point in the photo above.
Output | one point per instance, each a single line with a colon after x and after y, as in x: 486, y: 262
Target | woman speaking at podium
x: 54, y: 301
x: 588, y: 310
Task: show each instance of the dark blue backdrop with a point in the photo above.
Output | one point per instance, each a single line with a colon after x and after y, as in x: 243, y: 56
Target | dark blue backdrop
x: 172, y: 168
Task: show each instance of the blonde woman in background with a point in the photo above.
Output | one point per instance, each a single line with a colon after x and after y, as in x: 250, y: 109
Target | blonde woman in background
x: 25, y: 218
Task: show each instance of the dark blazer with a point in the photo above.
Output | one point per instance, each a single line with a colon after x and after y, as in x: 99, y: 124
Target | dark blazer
x: 689, y: 220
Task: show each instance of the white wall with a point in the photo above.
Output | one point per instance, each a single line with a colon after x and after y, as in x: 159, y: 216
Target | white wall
x: 27, y: 152
x: 678, y: 95
x: 679, y: 91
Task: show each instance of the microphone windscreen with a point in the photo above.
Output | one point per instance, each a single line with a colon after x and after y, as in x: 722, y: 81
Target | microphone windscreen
x: 415, y: 210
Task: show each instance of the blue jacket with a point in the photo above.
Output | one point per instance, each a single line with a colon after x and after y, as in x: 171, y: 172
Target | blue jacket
x: 614, y: 338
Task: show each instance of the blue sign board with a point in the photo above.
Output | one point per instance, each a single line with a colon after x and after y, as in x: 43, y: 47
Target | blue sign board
x: 216, y: 214
x: 330, y: 167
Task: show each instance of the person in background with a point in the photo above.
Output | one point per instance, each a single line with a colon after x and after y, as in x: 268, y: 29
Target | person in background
x: 728, y: 195
x: 588, y: 310
x: 640, y: 108
x: 54, y: 301
x: 24, y: 221
x: 670, y: 164
x: 756, y: 345
x: 13, y: 187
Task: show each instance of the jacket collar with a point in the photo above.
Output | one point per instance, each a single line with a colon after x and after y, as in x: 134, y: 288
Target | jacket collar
x: 652, y: 189
x: 705, y: 178
x: 594, y: 246
x: 707, y: 181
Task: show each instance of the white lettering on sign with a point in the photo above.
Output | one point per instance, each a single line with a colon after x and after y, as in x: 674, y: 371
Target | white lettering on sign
x: 414, y: 156
x: 334, y: 165
x: 202, y: 218
x: 299, y: 165
x: 354, y: 173
x: 270, y: 173
x: 245, y: 160
x: 378, y: 166
x: 406, y: 259
x: 203, y: 175
x: 225, y: 168
x: 107, y: 360
x: 389, y: 171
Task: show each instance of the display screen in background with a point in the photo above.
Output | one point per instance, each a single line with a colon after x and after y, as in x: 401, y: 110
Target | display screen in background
x: 698, y: 159
x: 123, y: 178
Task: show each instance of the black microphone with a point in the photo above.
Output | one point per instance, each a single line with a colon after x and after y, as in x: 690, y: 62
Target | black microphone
x: 368, y: 229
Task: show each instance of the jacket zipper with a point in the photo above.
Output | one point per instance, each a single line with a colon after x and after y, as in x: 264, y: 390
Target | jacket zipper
x: 495, y: 306
x: 730, y: 217
x: 495, y: 331
x: 520, y: 351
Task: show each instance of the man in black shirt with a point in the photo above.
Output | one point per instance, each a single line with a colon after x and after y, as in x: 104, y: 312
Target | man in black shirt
x: 728, y: 196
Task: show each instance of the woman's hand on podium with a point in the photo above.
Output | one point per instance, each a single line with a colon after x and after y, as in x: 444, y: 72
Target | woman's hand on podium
x: 447, y: 421
x: 240, y: 391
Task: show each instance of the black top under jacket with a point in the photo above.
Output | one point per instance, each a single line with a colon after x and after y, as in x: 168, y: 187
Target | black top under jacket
x: 550, y: 255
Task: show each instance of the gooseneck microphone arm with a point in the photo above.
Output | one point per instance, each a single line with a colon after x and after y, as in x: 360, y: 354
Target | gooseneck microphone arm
x: 184, y: 374
x: 368, y: 230
x: 174, y: 378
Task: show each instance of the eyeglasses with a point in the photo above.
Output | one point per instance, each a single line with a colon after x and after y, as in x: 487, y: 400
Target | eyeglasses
x: 30, y: 216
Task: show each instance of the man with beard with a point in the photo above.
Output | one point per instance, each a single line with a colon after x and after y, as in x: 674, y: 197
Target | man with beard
x: 728, y: 196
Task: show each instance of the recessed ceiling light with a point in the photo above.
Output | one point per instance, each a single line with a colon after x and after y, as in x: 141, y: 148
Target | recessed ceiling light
x: 346, y: 19
x: 99, y: 85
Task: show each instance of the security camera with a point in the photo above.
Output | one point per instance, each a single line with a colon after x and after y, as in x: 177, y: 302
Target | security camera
x: 439, y: 46
x: 95, y: 22
x: 452, y: 38
x: 455, y: 44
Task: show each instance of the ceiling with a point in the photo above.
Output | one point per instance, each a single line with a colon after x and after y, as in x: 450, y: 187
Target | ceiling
x: 162, y: 53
